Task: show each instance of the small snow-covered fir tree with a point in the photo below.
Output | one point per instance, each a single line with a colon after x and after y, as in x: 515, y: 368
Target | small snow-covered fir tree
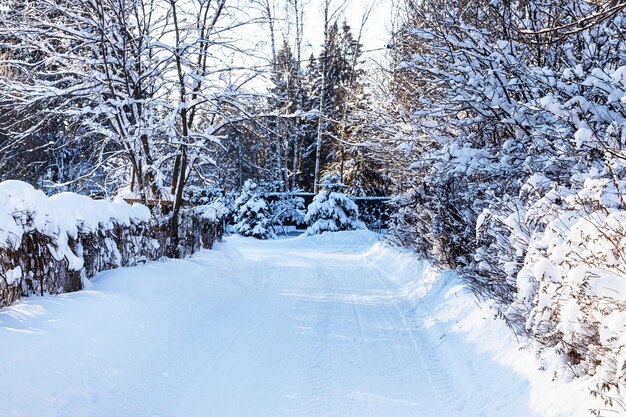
x: 253, y: 214
x: 331, y: 210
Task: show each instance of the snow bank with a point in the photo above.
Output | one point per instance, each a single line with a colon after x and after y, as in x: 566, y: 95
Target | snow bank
x: 403, y: 266
x: 440, y: 301
x: 344, y: 238
x: 455, y: 307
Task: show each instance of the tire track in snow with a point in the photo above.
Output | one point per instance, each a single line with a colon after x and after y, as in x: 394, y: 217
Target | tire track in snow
x: 382, y: 321
x: 259, y: 299
x: 317, y: 365
x: 443, y: 386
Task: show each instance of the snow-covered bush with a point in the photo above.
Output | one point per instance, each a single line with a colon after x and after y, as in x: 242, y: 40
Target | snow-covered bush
x: 216, y: 211
x: 511, y: 128
x: 212, y: 204
x: 572, y: 284
x: 331, y: 210
x: 288, y: 207
x: 253, y: 216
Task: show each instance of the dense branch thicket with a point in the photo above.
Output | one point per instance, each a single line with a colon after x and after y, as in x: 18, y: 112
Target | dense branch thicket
x: 511, y: 116
x: 146, y: 98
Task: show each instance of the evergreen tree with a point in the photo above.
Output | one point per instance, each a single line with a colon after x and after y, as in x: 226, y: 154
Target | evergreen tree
x: 331, y: 210
x: 337, y: 71
x: 253, y: 217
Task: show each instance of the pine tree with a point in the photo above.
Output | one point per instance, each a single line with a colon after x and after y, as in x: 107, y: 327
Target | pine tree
x: 253, y: 216
x: 331, y: 210
x: 336, y: 79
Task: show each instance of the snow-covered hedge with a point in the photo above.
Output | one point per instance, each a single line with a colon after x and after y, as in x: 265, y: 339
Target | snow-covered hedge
x: 516, y: 163
x: 572, y: 283
x: 52, y: 244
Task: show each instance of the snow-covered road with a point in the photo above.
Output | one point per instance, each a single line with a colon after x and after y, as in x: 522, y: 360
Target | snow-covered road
x: 294, y: 327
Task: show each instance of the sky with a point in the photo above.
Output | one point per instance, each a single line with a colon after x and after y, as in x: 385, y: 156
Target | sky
x: 377, y: 28
x: 375, y: 36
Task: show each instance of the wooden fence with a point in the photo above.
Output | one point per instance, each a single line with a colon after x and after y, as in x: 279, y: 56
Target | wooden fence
x: 35, y: 267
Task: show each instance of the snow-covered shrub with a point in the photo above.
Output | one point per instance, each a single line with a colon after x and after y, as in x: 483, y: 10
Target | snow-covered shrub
x: 572, y: 285
x: 288, y: 207
x: 331, y: 210
x: 503, y: 232
x: 197, y: 195
x: 211, y: 203
x: 216, y: 211
x: 512, y: 132
x: 253, y: 217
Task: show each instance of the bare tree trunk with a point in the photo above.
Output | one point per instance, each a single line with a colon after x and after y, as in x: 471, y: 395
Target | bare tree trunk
x: 299, y: 18
x: 177, y: 186
x: 318, y: 145
x: 240, y: 158
x: 294, y: 173
x: 342, y: 162
x: 175, y: 174
x: 182, y: 177
x: 285, y: 167
x: 278, y: 165
x: 149, y: 177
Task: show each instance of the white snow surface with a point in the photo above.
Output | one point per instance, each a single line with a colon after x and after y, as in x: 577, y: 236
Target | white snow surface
x: 332, y: 325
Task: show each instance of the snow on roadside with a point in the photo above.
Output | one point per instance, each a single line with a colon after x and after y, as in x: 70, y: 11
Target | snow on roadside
x: 124, y: 343
x: 440, y: 301
x: 352, y: 238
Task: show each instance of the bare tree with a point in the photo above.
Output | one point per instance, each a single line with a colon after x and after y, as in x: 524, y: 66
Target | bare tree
x: 152, y: 81
x: 94, y: 64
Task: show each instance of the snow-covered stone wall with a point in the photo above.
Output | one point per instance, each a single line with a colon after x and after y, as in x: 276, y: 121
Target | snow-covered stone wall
x: 53, y: 244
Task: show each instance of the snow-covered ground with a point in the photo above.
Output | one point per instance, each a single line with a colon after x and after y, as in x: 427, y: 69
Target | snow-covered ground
x: 332, y: 325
